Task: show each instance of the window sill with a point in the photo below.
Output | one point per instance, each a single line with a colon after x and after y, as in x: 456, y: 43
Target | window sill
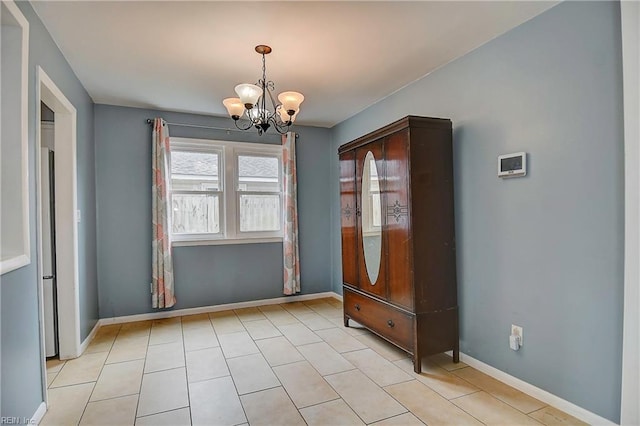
x: 187, y: 243
x: 15, y: 262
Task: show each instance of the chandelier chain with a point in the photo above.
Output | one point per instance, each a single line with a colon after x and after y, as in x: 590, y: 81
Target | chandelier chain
x: 264, y: 69
x: 265, y: 114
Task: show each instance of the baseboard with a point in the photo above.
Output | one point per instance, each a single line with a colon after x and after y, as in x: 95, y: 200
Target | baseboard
x: 216, y: 308
x: 87, y: 341
x: 536, y: 392
x: 39, y: 414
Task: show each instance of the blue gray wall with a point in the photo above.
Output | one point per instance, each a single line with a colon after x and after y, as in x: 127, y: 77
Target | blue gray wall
x: 21, y: 370
x: 545, y: 251
x: 204, y: 275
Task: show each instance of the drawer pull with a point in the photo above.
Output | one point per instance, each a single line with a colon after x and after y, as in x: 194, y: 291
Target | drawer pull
x: 390, y: 323
x: 357, y: 307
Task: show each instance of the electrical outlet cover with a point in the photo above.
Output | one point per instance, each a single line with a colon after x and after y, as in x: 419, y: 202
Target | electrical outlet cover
x: 517, y: 330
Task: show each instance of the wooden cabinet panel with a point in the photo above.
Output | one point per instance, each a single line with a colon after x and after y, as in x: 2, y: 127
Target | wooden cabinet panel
x: 398, y: 214
x: 432, y: 201
x: 366, y: 237
x: 348, y: 217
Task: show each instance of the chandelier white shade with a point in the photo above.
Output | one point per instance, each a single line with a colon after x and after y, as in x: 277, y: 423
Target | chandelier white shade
x: 249, y: 94
x: 234, y: 106
x: 291, y: 101
x: 252, y: 104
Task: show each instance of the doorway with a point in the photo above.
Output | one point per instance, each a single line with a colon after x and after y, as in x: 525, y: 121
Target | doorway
x: 48, y: 214
x: 64, y: 182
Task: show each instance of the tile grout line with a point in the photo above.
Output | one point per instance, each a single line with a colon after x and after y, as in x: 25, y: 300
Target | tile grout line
x: 458, y: 377
x: 87, y: 404
x: 462, y: 396
x: 112, y: 397
x: 396, y: 415
x: 186, y: 371
x: 345, y: 401
x: 225, y: 358
x: 93, y: 388
x: 385, y: 391
x: 144, y: 365
x: 304, y: 360
x: 162, y: 412
x: 495, y: 396
x: 324, y: 377
x: 278, y: 378
x: 234, y: 385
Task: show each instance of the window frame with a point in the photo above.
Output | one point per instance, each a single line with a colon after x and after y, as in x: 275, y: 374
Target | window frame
x: 180, y: 146
x: 228, y: 175
x: 251, y: 152
x: 15, y: 251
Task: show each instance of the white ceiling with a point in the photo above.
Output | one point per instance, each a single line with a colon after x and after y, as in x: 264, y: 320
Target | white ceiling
x: 343, y: 56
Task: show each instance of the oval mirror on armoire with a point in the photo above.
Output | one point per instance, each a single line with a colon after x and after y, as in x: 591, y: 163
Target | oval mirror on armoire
x: 371, y: 208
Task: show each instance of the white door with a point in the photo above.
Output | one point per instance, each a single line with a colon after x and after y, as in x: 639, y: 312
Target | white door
x: 48, y: 255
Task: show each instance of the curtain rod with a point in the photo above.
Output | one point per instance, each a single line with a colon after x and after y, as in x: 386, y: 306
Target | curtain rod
x: 226, y: 129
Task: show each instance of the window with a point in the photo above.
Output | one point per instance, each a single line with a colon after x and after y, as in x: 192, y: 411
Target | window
x: 225, y: 191
x: 259, y: 193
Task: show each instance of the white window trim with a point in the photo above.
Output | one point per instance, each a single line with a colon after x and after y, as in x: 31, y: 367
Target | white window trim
x: 229, y: 217
x: 224, y: 242
x: 189, y: 145
x: 19, y: 254
x: 256, y: 152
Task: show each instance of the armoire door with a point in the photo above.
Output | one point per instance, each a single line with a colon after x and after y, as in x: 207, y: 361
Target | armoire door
x: 370, y: 218
x: 348, y: 218
x: 398, y: 227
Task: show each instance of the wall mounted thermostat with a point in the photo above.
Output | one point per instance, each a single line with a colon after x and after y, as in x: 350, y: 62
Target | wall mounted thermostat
x: 512, y: 165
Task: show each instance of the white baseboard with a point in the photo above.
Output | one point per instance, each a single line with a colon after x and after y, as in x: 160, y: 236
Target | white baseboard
x: 85, y: 343
x: 536, y: 392
x: 39, y: 414
x: 215, y: 308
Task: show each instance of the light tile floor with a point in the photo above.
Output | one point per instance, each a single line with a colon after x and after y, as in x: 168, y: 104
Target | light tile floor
x: 283, y: 364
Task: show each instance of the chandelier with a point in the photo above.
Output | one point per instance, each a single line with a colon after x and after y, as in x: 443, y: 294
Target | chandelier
x: 252, y: 103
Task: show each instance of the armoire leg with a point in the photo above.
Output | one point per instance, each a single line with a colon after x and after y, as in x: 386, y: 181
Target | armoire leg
x: 346, y: 321
x: 456, y: 355
x: 417, y: 363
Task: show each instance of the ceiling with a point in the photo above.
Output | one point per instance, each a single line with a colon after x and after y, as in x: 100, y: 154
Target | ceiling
x: 343, y: 56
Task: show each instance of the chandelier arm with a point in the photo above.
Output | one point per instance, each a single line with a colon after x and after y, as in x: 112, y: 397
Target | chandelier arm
x: 259, y: 105
x: 243, y: 128
x: 274, y: 114
x: 281, y: 128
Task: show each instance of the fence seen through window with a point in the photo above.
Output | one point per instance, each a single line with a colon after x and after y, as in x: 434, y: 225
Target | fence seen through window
x: 210, y: 199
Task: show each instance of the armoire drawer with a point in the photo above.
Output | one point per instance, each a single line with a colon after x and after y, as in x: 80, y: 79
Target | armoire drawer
x: 393, y: 324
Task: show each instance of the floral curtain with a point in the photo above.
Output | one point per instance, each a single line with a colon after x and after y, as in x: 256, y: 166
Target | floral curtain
x: 290, y: 239
x: 162, y: 263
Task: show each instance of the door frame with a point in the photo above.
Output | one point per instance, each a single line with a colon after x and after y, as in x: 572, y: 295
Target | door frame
x: 67, y: 275
x: 630, y: 25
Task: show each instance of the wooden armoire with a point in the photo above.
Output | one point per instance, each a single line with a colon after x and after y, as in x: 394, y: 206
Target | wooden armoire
x: 398, y: 243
